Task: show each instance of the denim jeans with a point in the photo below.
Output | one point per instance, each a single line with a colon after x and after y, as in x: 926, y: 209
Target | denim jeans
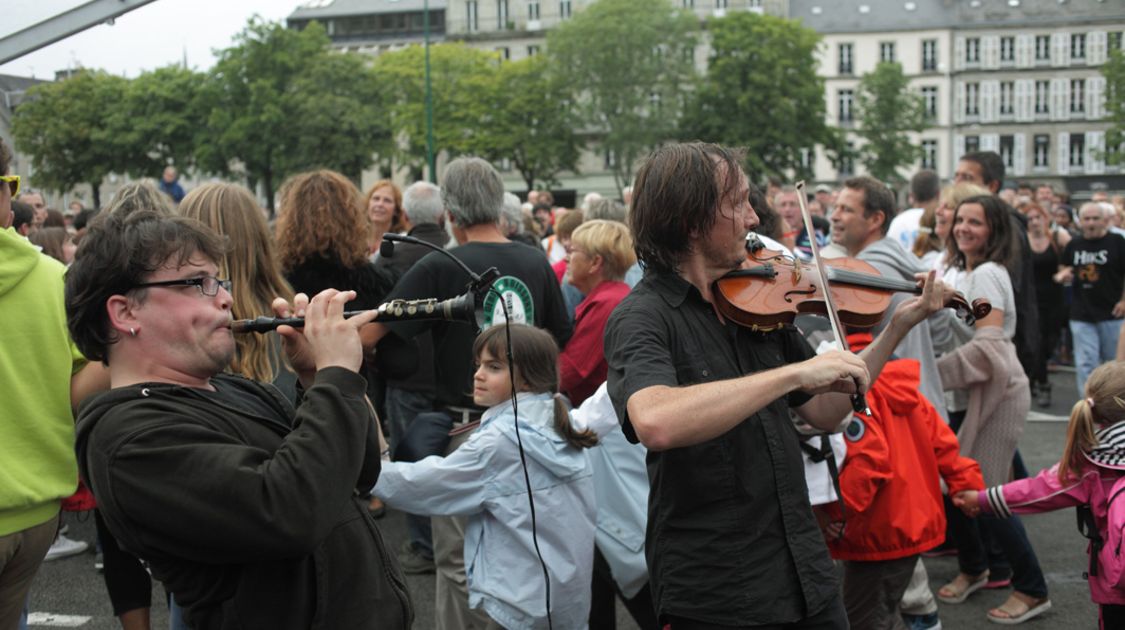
x: 427, y: 434
x: 1094, y: 344
x: 972, y: 554
x: 403, y: 405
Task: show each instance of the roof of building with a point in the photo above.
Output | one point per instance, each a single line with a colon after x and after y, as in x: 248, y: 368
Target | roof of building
x: 876, y: 16
x: 313, y: 9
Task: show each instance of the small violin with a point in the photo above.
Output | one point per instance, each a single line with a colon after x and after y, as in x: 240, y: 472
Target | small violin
x: 776, y: 288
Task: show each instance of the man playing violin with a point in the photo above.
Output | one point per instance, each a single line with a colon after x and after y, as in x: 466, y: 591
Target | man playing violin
x: 731, y: 541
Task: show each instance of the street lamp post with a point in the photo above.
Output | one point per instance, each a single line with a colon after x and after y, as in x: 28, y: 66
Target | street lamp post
x: 429, y: 94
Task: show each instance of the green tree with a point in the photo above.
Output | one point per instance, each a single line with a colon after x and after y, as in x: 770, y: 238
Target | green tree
x: 532, y: 122
x: 462, y: 79
x: 631, y: 61
x: 280, y: 101
x: 889, y: 111
x: 761, y: 92
x: 1114, y: 72
x: 156, y: 123
x: 63, y: 128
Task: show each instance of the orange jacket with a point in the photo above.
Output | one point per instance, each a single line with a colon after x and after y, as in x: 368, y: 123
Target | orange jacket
x: 890, y: 479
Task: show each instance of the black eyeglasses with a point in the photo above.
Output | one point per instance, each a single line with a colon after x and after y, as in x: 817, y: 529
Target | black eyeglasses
x: 207, y: 285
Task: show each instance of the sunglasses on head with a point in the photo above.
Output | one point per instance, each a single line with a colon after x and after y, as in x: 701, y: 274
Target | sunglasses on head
x: 13, y: 182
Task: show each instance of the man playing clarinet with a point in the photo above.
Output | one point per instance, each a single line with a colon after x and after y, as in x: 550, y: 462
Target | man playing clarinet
x: 732, y: 541
x: 245, y: 508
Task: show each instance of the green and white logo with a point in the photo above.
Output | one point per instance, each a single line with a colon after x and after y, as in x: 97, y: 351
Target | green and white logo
x: 517, y: 297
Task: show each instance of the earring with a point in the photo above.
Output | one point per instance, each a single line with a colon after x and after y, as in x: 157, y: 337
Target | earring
x: 133, y: 331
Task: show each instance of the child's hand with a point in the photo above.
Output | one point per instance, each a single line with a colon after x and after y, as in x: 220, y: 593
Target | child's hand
x: 968, y: 501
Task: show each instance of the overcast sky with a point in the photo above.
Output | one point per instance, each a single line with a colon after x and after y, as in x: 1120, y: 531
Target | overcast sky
x: 155, y: 35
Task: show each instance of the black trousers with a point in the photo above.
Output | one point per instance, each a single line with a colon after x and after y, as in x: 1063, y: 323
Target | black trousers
x: 603, y: 604
x: 833, y: 617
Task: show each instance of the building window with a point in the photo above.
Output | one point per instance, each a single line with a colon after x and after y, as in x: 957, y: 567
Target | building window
x: 887, y: 52
x: 1008, y: 150
x: 929, y: 100
x: 929, y: 55
x: 610, y: 159
x: 806, y: 159
x: 1042, y: 97
x: 972, y: 99
x: 1008, y: 49
x: 929, y: 154
x: 1007, y: 98
x: 471, y: 16
x: 1077, y: 149
x: 1042, y: 151
x: 1042, y: 47
x: 972, y: 50
x: 1078, y: 46
x: 972, y: 144
x: 845, y: 58
x: 564, y: 9
x: 1114, y: 40
x: 1077, y: 96
x: 847, y: 164
x: 532, y: 50
x: 721, y: 4
x: 689, y: 4
x: 501, y: 14
x: 755, y: 4
x: 533, y: 10
x: 505, y: 53
x: 845, y: 101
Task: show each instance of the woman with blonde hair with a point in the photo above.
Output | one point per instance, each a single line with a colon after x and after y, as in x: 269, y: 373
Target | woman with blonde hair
x: 252, y: 267
x: 383, y: 203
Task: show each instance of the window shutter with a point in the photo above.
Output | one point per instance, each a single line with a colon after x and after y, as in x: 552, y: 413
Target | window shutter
x: 1024, y: 89
x: 1095, y: 98
x: 958, y: 146
x: 959, y: 53
x: 959, y: 103
x: 1095, y: 148
x: 1096, y: 48
x: 1019, y: 154
x: 990, y: 51
x: 1060, y: 49
x: 1064, y: 153
x: 1060, y: 99
x: 1024, y: 47
x: 989, y: 101
x: 990, y: 142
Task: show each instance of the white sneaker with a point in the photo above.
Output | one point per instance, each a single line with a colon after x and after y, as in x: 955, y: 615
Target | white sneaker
x: 63, y: 547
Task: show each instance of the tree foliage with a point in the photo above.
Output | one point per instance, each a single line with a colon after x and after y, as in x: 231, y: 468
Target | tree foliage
x: 62, y: 126
x: 280, y: 101
x: 532, y: 122
x: 761, y: 92
x: 889, y: 111
x: 1114, y: 72
x: 462, y: 79
x: 156, y: 122
x: 631, y: 61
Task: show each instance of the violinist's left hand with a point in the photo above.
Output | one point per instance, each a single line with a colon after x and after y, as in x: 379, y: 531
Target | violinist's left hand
x: 935, y: 293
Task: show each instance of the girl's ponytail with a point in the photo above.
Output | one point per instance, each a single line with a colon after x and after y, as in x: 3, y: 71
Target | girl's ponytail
x: 535, y: 356
x: 1104, y: 405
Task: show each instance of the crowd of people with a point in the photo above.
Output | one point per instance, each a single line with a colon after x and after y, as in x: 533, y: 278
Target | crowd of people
x: 600, y: 431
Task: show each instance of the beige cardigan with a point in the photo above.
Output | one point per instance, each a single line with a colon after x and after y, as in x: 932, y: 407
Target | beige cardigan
x: 999, y: 399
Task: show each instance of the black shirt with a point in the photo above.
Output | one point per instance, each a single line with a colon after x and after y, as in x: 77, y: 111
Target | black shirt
x: 1099, y: 273
x: 530, y: 287
x: 731, y: 538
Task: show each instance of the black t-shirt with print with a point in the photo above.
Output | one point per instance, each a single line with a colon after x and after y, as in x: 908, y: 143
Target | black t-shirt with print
x: 528, y: 284
x: 1099, y: 274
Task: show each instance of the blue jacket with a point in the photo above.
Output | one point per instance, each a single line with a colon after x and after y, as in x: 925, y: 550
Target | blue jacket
x: 483, y: 479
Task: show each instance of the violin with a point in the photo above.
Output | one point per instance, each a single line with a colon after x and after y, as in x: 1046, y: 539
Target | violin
x: 774, y: 289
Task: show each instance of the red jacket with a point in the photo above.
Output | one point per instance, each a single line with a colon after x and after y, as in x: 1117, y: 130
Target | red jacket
x: 890, y: 479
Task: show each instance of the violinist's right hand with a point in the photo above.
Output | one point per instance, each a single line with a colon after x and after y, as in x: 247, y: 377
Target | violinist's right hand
x: 833, y: 371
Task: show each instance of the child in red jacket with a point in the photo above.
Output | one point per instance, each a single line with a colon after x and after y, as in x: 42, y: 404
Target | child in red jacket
x: 891, y: 487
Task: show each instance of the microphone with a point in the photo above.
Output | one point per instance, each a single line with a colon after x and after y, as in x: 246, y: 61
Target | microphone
x: 480, y: 282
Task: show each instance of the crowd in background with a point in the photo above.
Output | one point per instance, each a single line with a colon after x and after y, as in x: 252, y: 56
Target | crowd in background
x: 1053, y: 272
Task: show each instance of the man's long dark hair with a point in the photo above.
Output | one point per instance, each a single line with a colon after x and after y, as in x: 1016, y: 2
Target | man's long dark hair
x: 676, y: 195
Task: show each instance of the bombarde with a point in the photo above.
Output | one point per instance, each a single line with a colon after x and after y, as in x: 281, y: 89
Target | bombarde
x: 459, y: 309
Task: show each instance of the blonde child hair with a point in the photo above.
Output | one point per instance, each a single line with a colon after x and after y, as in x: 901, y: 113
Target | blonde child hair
x: 1104, y: 404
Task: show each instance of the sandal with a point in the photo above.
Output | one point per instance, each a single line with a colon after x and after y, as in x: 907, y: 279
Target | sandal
x: 961, y: 587
x: 1017, y: 610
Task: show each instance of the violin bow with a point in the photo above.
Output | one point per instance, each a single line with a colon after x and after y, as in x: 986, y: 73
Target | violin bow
x: 859, y: 403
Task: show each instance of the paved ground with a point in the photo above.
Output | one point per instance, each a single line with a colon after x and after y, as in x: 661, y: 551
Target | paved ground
x: 71, y: 588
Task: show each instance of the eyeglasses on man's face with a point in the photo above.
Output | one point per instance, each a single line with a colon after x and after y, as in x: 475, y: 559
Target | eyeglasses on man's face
x: 207, y: 285
x: 13, y: 182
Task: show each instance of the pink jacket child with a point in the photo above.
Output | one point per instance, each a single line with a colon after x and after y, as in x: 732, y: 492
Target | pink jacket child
x: 1089, y: 477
